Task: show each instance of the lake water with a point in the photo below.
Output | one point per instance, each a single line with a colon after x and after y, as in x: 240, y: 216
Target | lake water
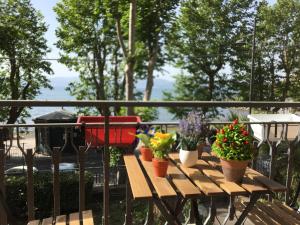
x: 59, y: 93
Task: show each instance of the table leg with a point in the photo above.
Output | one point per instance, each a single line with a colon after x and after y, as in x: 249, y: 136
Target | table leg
x: 231, y: 210
x: 128, y: 216
x: 166, y: 212
x: 150, y: 217
x: 248, y: 208
x: 194, y: 216
x: 212, y: 212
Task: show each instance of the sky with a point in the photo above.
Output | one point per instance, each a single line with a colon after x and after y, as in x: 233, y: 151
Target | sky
x: 46, y: 8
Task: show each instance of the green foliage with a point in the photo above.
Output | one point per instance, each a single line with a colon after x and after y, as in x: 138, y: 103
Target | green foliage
x: 69, y: 193
x: 145, y: 138
x: 276, y: 72
x: 115, y: 156
x: 147, y: 114
x: 161, y: 144
x: 87, y: 37
x: 233, y: 142
x: 22, y: 41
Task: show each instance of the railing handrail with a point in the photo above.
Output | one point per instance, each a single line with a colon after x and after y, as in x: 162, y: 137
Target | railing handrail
x: 99, y: 124
x: 99, y: 103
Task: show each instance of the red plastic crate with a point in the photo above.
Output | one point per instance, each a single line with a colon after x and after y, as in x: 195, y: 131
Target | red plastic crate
x: 118, y: 135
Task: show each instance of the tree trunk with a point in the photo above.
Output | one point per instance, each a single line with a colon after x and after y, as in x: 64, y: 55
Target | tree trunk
x: 287, y: 70
x: 211, y: 86
x: 14, y: 80
x: 130, y: 62
x: 272, y: 71
x: 150, y: 77
x: 116, y: 81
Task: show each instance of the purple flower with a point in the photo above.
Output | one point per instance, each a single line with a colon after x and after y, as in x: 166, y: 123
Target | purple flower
x: 192, y: 130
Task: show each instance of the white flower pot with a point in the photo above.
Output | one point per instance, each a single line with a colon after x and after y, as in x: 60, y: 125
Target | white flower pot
x: 188, y: 158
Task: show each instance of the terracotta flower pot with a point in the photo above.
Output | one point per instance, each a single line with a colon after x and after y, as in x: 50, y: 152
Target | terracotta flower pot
x: 146, y: 153
x: 234, y: 170
x: 200, y: 150
x: 160, y: 167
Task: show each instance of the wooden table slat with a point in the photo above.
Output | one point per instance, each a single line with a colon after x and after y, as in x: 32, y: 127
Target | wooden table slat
x: 208, y: 187
x: 252, y: 186
x: 137, y: 180
x: 61, y: 220
x: 184, y: 185
x: 87, y: 217
x: 161, y: 185
x: 47, y: 221
x: 74, y: 219
x: 265, y: 181
x: 248, y: 184
x: 218, y: 177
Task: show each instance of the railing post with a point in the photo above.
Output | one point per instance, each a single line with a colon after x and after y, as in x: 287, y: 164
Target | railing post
x: 81, y: 161
x: 3, y: 216
x: 289, y: 173
x: 30, y: 190
x: 106, y: 168
x: 56, y: 186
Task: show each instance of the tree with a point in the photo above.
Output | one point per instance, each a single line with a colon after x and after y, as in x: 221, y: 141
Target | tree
x: 154, y: 19
x: 276, y: 55
x: 87, y: 36
x: 23, y: 72
x: 201, y: 45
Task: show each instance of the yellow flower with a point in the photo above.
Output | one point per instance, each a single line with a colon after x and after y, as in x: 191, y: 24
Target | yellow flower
x: 162, y: 136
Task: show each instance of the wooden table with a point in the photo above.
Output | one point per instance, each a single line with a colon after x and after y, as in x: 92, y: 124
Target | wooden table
x: 205, y: 179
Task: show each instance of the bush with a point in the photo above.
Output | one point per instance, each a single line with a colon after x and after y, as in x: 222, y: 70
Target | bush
x: 16, y: 194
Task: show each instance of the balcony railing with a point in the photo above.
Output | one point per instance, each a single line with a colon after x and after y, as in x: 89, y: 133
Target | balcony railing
x: 29, y: 156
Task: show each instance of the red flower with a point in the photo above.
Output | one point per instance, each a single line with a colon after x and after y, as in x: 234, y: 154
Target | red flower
x: 222, y: 131
x: 246, y: 142
x: 231, y: 127
x: 236, y: 121
x: 225, y: 140
x: 245, y: 133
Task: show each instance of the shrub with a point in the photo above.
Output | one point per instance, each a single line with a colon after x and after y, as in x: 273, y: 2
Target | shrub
x: 16, y: 193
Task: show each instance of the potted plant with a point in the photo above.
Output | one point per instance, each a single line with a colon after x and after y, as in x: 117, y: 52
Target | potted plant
x: 232, y: 146
x: 161, y: 144
x: 145, y: 137
x: 192, y: 131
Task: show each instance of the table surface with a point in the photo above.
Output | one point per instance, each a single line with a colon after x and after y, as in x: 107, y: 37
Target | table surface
x: 205, y: 178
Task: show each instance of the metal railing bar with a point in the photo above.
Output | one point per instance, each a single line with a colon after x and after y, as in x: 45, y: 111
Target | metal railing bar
x: 101, y: 124
x: 107, y: 104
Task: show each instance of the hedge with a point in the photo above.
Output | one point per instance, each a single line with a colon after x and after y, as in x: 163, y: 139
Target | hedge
x: 43, y: 197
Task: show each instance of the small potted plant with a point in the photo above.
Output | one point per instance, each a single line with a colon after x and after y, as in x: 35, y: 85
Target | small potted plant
x: 145, y: 136
x: 192, y: 131
x: 161, y: 144
x: 232, y: 146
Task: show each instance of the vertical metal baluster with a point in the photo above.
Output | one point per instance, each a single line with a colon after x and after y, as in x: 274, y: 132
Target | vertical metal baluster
x: 56, y: 185
x: 30, y: 190
x: 150, y: 215
x: 211, y: 213
x: 106, y: 168
x: 3, y: 216
x: 128, y: 215
x: 81, y: 162
x: 289, y: 173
